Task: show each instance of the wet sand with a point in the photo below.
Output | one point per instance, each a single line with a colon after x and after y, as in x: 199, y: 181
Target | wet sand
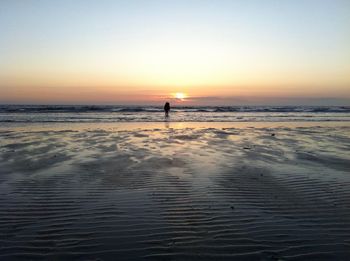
x: 175, y: 191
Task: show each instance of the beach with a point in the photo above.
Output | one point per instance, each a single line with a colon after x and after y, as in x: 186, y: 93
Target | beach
x: 175, y: 191
x: 175, y: 130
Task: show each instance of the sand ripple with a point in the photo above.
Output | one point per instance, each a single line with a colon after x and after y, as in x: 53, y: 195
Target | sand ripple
x: 175, y: 194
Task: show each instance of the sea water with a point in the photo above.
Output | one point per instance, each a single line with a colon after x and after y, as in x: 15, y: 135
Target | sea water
x: 98, y: 113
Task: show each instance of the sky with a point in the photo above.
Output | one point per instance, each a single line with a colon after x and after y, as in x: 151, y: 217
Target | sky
x: 290, y: 52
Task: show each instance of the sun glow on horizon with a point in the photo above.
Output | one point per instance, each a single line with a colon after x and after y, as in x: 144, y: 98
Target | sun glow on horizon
x: 180, y: 96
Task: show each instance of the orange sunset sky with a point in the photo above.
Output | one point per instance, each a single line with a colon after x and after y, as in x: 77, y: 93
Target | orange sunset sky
x: 143, y: 52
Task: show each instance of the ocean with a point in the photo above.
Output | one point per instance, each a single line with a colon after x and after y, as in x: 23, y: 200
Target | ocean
x: 99, y: 113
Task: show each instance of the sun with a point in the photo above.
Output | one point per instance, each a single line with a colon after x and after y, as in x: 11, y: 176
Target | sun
x: 180, y: 95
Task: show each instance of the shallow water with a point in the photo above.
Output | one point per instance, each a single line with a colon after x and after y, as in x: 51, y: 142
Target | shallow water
x: 50, y: 113
x: 175, y: 191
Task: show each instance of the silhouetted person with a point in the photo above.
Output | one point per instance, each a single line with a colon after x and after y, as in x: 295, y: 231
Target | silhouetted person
x: 167, y: 109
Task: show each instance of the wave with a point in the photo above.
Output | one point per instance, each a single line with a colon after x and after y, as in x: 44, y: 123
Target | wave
x: 203, y: 118
x: 150, y: 109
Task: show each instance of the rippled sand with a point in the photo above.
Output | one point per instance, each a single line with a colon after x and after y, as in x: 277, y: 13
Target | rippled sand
x: 176, y: 192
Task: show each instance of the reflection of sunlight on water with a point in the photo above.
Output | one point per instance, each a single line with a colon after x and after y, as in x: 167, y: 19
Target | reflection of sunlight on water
x: 180, y: 173
x: 179, y: 125
x: 234, y: 137
x: 167, y: 124
x: 127, y: 126
x: 176, y: 125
